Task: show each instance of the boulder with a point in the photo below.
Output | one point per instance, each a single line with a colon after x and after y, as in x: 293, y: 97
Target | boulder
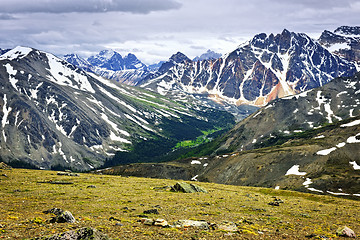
x: 344, y: 231
x: 82, y: 233
x: 65, y: 217
x: 187, y: 188
x: 191, y: 223
x: 151, y: 211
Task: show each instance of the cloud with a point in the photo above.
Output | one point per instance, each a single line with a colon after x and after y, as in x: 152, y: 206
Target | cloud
x: 6, y: 16
x: 88, y: 6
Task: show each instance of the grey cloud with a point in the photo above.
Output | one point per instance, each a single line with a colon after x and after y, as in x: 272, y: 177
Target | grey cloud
x: 6, y: 16
x: 88, y: 6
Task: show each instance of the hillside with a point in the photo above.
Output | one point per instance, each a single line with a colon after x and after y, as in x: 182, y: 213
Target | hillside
x: 55, y: 115
x: 115, y: 205
x: 315, y: 134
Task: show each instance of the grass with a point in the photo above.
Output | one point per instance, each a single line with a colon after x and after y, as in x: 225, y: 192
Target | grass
x: 199, y: 140
x: 23, y: 200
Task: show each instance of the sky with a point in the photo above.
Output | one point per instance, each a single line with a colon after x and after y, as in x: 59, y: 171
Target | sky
x: 153, y: 30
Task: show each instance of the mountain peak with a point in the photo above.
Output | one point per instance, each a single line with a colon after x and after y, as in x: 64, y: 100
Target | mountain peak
x: 207, y: 56
x: 348, y: 30
x: 179, y: 57
x: 17, y: 52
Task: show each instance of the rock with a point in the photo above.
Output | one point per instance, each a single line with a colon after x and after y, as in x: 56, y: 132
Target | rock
x: 114, y: 219
x: 56, y: 211
x: 91, y: 186
x: 151, y: 211
x: 229, y: 227
x: 82, y: 233
x: 190, y: 223
x: 147, y: 221
x: 161, y: 222
x: 4, y: 175
x: 68, y: 174
x: 276, y: 202
x: 344, y: 231
x: 187, y: 188
x: 65, y: 217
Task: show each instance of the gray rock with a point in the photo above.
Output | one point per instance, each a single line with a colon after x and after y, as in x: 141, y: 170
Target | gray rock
x: 190, y: 223
x: 151, y: 211
x: 91, y: 186
x: 187, y: 188
x: 344, y: 231
x: 65, y: 217
x: 80, y: 234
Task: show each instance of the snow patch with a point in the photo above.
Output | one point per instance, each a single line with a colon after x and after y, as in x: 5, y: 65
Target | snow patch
x: 353, y: 139
x: 194, y: 178
x: 340, y: 145
x: 195, y: 162
x: 294, y: 170
x: 350, y: 124
x: 355, y: 166
x: 326, y: 151
x: 12, y: 73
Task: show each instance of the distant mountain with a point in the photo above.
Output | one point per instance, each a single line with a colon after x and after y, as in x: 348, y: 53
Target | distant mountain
x: 155, y: 67
x: 344, y: 41
x: 110, y: 64
x: 78, y: 61
x: 308, y: 142
x: 261, y: 70
x: 208, y: 56
x: 111, y: 60
x: 55, y: 115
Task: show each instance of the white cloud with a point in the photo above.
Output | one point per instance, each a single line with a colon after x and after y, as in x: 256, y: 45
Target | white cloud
x: 87, y: 6
x: 155, y: 29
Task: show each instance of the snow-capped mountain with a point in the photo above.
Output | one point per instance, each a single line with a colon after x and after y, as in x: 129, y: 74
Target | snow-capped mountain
x: 207, y: 56
x: 308, y: 142
x: 110, y: 64
x: 53, y: 113
x: 112, y: 60
x: 344, y: 41
x: 265, y: 68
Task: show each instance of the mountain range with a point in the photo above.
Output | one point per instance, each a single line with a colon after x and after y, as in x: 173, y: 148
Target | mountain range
x: 258, y: 71
x: 57, y: 115
x: 306, y: 142
x: 305, y: 136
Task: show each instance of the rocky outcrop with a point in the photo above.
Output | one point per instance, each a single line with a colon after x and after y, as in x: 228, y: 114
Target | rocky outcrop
x: 187, y: 188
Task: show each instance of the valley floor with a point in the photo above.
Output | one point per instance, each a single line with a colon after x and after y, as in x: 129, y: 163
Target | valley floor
x: 112, y: 204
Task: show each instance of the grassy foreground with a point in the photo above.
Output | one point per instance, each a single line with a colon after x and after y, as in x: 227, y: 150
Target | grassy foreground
x: 23, y: 199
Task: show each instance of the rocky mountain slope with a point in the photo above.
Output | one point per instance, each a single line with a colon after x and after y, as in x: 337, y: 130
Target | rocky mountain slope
x: 308, y: 142
x: 55, y: 114
x: 263, y: 69
x: 345, y: 42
